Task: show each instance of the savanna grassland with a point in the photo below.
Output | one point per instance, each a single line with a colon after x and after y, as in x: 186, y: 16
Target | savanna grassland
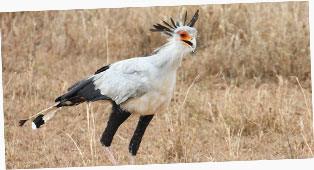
x: 244, y: 94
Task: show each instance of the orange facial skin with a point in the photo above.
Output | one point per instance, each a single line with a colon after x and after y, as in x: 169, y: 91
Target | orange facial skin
x: 185, y: 37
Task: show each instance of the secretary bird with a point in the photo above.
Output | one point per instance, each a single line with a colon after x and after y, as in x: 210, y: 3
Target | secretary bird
x: 142, y: 86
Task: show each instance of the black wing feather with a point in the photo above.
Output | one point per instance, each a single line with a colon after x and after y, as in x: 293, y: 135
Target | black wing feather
x: 82, y: 91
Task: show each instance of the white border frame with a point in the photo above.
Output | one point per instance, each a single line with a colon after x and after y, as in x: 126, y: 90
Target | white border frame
x: 39, y: 5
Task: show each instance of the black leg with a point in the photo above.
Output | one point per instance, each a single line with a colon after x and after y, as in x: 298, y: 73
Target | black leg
x: 117, y: 117
x: 138, y: 133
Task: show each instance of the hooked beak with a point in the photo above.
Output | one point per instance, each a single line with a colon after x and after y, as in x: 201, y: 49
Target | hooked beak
x: 191, y: 43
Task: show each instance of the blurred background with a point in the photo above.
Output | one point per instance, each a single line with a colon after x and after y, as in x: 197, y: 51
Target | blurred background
x: 244, y: 94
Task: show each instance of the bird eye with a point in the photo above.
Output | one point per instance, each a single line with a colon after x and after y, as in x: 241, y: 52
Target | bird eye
x: 182, y: 34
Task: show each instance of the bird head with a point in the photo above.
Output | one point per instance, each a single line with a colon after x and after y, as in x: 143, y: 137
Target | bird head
x: 181, y: 33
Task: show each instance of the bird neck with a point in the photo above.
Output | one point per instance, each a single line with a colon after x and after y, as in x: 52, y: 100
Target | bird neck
x: 169, y: 56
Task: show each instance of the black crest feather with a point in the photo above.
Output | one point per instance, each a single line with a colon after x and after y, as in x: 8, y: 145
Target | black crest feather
x: 168, y: 29
x: 178, y: 24
x: 194, y: 19
x: 173, y: 23
x: 186, y: 13
x: 168, y: 24
x: 161, y: 28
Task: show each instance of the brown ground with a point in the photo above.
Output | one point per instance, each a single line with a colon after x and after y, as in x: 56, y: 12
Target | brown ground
x: 245, y: 94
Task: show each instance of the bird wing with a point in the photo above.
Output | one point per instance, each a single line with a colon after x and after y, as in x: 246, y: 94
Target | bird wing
x: 124, y: 80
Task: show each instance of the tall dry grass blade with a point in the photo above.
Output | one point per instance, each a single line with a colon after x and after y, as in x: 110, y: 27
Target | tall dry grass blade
x: 182, y: 150
x: 307, y: 105
x: 289, y: 146
x: 11, y: 77
x: 93, y: 134
x: 227, y: 128
x: 107, y: 46
x: 186, y: 96
x: 304, y: 139
x: 82, y: 156
x: 211, y: 111
x: 89, y: 130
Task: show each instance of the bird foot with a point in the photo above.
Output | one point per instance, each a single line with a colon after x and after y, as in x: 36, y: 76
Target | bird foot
x: 132, y: 159
x: 111, y: 157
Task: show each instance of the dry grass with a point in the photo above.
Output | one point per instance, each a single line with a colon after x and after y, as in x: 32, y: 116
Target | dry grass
x: 237, y: 97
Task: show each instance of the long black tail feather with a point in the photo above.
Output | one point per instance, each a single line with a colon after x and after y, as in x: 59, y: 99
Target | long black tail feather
x: 43, y: 112
x: 22, y: 122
